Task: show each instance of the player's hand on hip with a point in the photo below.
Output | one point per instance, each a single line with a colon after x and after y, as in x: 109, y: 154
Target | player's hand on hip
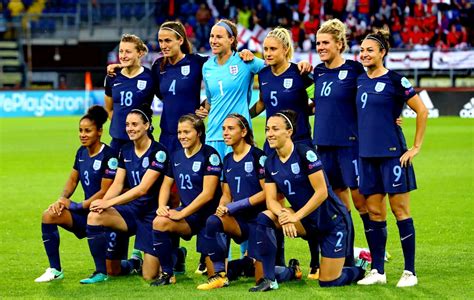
x: 407, y: 157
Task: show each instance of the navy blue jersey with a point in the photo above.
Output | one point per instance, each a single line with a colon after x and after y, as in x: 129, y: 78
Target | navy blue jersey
x: 189, y: 172
x: 156, y: 159
x: 127, y: 94
x: 93, y: 169
x: 379, y: 103
x: 179, y: 88
x: 243, y: 177
x: 291, y: 179
x: 287, y: 91
x: 335, y: 121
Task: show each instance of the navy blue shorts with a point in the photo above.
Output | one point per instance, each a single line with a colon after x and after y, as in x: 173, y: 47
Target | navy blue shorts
x: 195, y: 221
x: 116, y: 144
x: 333, y: 243
x: 340, y: 165
x: 171, y: 142
x: 384, y: 175
x: 79, y: 223
x: 139, y: 224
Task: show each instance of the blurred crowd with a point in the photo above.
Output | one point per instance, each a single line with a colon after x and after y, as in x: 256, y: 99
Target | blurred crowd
x: 414, y: 24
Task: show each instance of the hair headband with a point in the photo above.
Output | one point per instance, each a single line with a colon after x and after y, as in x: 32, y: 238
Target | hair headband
x: 237, y: 118
x: 226, y: 26
x: 287, y: 119
x: 141, y: 112
x: 371, y: 37
x: 171, y: 29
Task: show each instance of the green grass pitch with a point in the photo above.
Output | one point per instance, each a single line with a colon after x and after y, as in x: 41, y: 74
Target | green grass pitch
x: 36, y: 156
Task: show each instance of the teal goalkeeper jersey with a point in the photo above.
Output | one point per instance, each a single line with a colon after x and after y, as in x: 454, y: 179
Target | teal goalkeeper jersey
x: 228, y: 90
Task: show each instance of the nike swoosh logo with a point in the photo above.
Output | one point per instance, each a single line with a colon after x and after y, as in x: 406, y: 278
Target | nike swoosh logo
x: 264, y: 83
x: 127, y: 160
x: 395, y: 185
x: 46, y: 241
x: 369, y: 230
x: 81, y: 160
x: 176, y: 164
x: 211, y: 253
x: 319, y: 75
x: 157, y: 244
x: 259, y: 242
x: 359, y: 86
x: 118, y: 83
x: 228, y: 170
x: 110, y: 250
x: 405, y: 237
x: 163, y: 72
x: 337, y: 250
x: 274, y: 173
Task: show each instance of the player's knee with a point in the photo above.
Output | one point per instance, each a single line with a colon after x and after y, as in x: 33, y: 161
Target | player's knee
x: 48, y: 217
x: 213, y: 225
x: 400, y: 212
x: 265, y: 218
x: 94, y: 218
x: 161, y: 224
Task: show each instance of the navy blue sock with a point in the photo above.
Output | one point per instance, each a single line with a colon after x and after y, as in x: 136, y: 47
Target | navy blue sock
x: 216, y: 242
x: 163, y: 249
x: 175, y: 239
x: 267, y: 245
x: 280, y: 255
x: 348, y: 275
x: 378, y: 241
x: 366, y: 221
x: 314, y: 251
x: 96, y: 238
x: 349, y: 262
x: 283, y: 274
x: 50, y: 235
x: 407, y: 238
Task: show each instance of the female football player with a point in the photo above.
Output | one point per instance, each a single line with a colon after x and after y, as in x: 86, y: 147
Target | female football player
x: 385, y: 160
x: 132, y: 86
x: 295, y: 170
x: 142, y: 164
x: 194, y: 167
x: 334, y: 100
x: 281, y: 84
x: 94, y: 166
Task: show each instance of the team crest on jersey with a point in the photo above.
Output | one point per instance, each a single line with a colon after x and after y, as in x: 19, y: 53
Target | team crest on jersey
x: 234, y: 69
x: 113, y: 163
x: 160, y: 156
x: 406, y: 83
x: 248, y: 167
x: 288, y: 83
x: 342, y: 74
x: 311, y: 156
x: 141, y: 84
x: 295, y: 168
x: 196, y: 166
x: 185, y: 70
x: 96, y: 165
x: 145, y: 162
x: 214, y: 159
x: 262, y: 160
x: 379, y: 86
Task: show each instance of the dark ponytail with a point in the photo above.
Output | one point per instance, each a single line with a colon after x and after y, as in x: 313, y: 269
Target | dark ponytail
x: 96, y: 114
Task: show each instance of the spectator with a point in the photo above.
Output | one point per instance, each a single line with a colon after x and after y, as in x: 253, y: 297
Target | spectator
x: 453, y: 37
x: 203, y: 27
x: 384, y: 11
x: 244, y: 17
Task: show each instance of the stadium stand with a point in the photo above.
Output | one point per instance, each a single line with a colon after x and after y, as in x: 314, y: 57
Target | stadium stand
x: 415, y: 25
